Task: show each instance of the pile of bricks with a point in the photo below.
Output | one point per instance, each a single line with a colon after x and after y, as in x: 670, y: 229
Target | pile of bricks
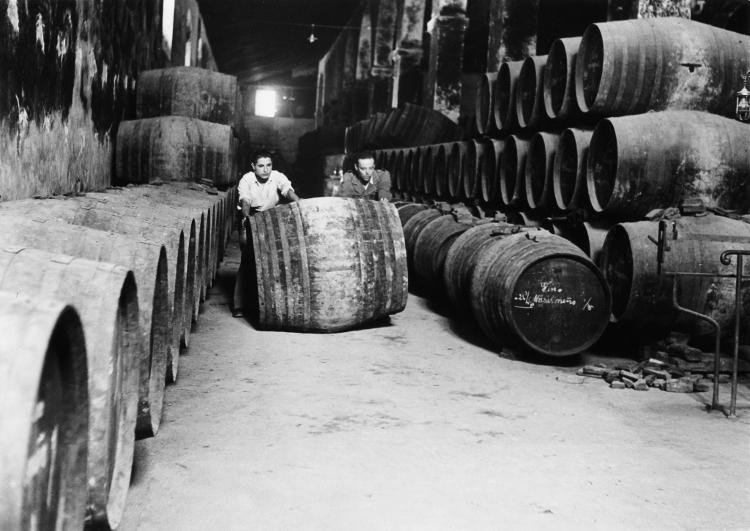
x: 671, y: 365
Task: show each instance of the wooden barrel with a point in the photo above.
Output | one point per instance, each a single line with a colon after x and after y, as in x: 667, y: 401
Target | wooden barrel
x: 190, y: 92
x: 653, y: 64
x: 414, y: 181
x: 460, y: 261
x: 523, y: 280
x: 174, y: 148
x: 588, y: 236
x: 147, y: 260
x: 569, y: 172
x: 457, y: 168
x: 405, y: 212
x: 328, y: 264
x: 512, y: 171
x: 424, y: 181
x: 412, y: 228
x: 110, y: 212
x: 105, y: 296
x: 403, y: 167
x: 483, y: 108
x: 656, y: 160
x: 559, y: 80
x: 490, y: 171
x: 43, y: 415
x: 530, y: 93
x: 440, y: 170
x: 539, y: 166
x: 644, y: 299
x: 475, y: 161
x: 504, y: 100
x: 430, y: 249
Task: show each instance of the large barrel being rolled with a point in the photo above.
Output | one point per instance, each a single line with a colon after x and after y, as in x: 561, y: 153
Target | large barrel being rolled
x: 540, y: 291
x: 634, y: 66
x: 328, y: 264
x: 43, y: 415
x: 191, y: 92
x: 654, y: 160
x: 175, y: 148
x: 105, y: 297
x: 642, y: 297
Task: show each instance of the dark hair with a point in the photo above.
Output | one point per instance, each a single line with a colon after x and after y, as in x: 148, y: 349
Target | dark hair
x: 364, y: 155
x: 261, y: 153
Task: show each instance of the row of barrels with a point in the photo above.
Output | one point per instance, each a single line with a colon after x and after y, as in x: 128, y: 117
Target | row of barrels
x: 614, y: 69
x: 406, y: 125
x: 549, y: 288
x: 623, y: 168
x: 522, y: 285
x: 186, y: 126
x: 98, y: 295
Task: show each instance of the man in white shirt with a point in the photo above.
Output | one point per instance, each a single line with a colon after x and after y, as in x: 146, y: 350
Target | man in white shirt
x: 258, y: 190
x: 263, y: 187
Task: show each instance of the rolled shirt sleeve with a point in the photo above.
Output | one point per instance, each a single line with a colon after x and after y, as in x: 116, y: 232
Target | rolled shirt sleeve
x: 284, y: 184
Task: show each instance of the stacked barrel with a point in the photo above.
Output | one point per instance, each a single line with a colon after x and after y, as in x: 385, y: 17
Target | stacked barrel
x: 625, y: 121
x: 98, y: 295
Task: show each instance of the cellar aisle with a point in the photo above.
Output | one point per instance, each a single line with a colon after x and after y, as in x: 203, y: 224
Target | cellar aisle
x: 420, y: 425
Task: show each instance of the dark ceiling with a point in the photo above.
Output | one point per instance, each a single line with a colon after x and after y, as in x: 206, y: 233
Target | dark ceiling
x: 261, y: 40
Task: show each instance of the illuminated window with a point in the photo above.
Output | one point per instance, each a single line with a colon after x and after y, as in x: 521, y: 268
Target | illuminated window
x: 265, y: 102
x: 167, y: 21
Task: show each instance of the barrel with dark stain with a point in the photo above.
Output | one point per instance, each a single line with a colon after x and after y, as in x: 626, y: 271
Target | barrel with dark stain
x: 512, y: 171
x: 655, y: 160
x: 530, y: 93
x: 43, y: 414
x: 147, y: 260
x: 105, y: 296
x: 540, y: 291
x: 191, y: 92
x: 175, y: 148
x: 653, y: 64
x: 569, y: 172
x: 328, y: 264
x: 642, y: 297
x: 559, y: 80
x: 538, y: 175
x: 504, y: 100
x: 460, y: 261
x: 430, y: 249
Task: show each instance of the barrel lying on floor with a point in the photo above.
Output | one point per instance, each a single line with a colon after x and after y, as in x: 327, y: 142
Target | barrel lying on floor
x: 327, y: 264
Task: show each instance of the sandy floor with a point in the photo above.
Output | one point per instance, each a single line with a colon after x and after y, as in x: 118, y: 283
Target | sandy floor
x: 421, y: 425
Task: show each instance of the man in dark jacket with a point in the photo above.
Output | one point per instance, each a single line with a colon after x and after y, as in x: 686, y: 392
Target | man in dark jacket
x: 366, y: 182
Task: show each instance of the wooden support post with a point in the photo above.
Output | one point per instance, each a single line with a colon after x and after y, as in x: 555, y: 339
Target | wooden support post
x: 408, y: 54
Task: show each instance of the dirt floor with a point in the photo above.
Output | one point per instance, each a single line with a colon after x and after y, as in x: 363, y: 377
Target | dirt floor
x: 419, y: 424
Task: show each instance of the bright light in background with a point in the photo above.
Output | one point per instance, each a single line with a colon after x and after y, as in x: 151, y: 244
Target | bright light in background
x: 265, y: 102
x: 167, y: 21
